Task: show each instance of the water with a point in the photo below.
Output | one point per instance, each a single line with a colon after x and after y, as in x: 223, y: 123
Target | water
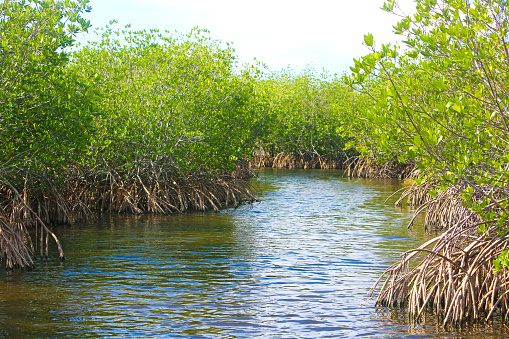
x: 297, y: 265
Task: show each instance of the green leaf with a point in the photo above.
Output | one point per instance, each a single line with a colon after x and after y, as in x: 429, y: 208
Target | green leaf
x: 417, y: 140
x: 368, y: 39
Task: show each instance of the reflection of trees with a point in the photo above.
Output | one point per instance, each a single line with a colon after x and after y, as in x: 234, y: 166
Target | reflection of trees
x: 317, y: 233
x: 157, y: 268
x: 180, y: 268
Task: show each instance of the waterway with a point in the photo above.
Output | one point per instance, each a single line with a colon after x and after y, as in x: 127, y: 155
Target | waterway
x: 299, y: 264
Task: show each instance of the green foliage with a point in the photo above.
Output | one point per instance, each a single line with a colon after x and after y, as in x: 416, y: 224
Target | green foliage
x: 179, y: 102
x: 441, y: 99
x: 147, y: 102
x: 46, y: 114
x: 501, y: 261
x: 302, y: 113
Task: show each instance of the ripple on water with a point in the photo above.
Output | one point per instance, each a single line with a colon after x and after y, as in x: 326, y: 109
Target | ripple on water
x: 297, y: 265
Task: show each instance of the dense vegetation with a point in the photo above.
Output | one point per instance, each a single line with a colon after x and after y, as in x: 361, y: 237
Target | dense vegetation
x: 440, y: 99
x: 139, y: 121
x: 43, y: 115
x: 299, y: 120
x: 175, y: 101
x: 150, y: 121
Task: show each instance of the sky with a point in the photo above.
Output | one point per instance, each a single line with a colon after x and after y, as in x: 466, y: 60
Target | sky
x: 325, y: 34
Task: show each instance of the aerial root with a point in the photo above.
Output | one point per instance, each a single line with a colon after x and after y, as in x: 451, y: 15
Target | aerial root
x: 454, y: 276
x: 27, y: 211
x: 366, y: 168
x: 304, y: 161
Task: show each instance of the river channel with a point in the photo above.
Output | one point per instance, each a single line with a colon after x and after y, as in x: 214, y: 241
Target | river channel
x: 298, y: 264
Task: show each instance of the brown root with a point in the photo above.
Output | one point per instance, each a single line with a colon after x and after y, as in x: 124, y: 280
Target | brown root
x: 16, y: 218
x: 304, y: 161
x: 366, y: 168
x: 447, y: 208
x: 454, y: 277
x: 27, y: 211
x: 454, y: 274
x: 172, y: 195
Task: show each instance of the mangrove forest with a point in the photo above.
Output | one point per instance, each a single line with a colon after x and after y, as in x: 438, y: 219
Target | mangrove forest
x: 153, y: 122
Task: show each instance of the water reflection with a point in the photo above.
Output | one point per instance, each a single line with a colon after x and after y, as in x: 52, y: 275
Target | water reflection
x: 296, y: 265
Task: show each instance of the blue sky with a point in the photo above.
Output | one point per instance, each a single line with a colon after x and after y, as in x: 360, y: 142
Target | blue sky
x: 327, y: 34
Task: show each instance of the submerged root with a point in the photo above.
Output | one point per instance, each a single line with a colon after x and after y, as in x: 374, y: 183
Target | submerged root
x: 455, y: 279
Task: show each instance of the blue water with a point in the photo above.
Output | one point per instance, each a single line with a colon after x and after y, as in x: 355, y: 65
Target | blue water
x: 297, y: 265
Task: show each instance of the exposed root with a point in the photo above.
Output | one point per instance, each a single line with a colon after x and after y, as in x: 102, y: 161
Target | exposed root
x: 16, y: 217
x: 454, y: 276
x: 366, y: 168
x: 304, y: 161
x: 455, y: 279
x: 417, y: 195
x: 29, y: 211
x: 243, y: 171
x: 15, y: 244
x: 169, y: 196
x: 447, y: 208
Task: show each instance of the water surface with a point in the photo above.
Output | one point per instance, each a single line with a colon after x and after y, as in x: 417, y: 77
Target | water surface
x: 297, y: 265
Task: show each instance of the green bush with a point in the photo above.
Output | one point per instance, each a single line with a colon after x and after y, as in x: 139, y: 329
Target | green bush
x: 46, y: 114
